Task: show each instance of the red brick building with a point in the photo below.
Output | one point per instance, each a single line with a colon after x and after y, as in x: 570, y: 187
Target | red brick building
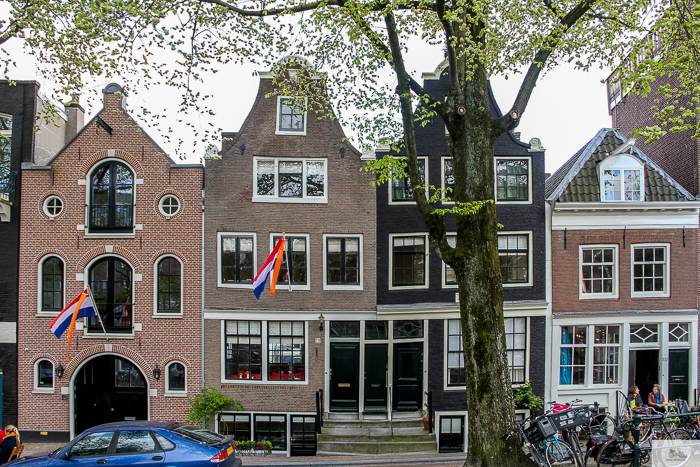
x: 288, y: 171
x: 113, y: 211
x: 624, y: 262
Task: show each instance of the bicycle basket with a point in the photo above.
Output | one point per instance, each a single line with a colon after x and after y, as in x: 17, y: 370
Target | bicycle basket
x: 539, y: 430
x: 571, y: 418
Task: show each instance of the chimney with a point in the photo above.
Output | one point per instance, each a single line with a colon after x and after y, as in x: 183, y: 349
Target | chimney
x: 76, y: 118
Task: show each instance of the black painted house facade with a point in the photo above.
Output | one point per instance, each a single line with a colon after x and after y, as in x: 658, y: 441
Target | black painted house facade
x: 417, y: 294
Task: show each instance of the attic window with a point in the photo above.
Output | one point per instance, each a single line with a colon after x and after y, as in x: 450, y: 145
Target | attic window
x: 622, y: 179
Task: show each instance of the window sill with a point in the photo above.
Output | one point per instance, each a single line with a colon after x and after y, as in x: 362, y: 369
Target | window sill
x: 260, y: 381
x: 342, y: 287
x: 175, y: 394
x: 108, y: 336
x: 46, y: 314
x: 168, y: 315
x: 110, y: 235
x: 651, y: 295
x: 43, y: 391
x: 284, y: 287
x: 276, y: 199
x: 408, y: 287
x: 590, y: 296
x: 514, y: 202
x: 290, y: 133
x: 235, y: 286
x: 521, y: 284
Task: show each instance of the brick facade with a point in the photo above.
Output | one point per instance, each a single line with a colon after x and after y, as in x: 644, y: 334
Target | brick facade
x: 230, y: 208
x: 159, y: 340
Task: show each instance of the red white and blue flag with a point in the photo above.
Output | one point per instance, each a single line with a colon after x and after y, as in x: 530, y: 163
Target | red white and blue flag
x: 270, y: 267
x: 82, y: 306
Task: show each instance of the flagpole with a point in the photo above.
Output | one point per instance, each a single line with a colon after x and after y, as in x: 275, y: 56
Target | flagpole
x: 99, y: 318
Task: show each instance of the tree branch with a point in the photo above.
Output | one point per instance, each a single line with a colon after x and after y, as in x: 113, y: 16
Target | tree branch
x: 609, y: 18
x: 375, y: 6
x: 511, y: 119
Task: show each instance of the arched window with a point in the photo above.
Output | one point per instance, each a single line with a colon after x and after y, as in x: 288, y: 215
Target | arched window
x: 52, y: 284
x: 111, y: 282
x: 176, y: 377
x: 111, y: 198
x: 169, y: 285
x: 43, y: 374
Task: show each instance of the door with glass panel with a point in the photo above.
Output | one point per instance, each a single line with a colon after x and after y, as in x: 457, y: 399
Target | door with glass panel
x: 407, y: 370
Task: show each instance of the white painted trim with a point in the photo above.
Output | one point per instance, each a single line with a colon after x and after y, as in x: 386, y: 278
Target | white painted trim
x: 360, y: 263
x: 45, y: 206
x: 529, y: 178
x: 667, y: 270
x: 283, y: 286
x: 446, y: 348
x: 264, y: 334
x: 616, y: 273
x: 510, y: 309
x: 156, y: 314
x: 426, y: 182
x: 40, y: 286
x: 160, y: 205
x: 530, y: 255
x: 285, y: 315
x: 426, y: 263
x: 613, y: 163
x: 277, y: 121
x: 442, y: 181
x: 37, y: 389
x: 451, y: 413
x: 171, y: 392
x: 219, y: 280
x: 275, y: 198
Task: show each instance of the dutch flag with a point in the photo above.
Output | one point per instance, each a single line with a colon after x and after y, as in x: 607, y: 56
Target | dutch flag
x: 272, y: 261
x: 82, y: 306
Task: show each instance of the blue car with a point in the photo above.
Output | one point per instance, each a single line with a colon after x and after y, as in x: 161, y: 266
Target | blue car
x: 141, y: 443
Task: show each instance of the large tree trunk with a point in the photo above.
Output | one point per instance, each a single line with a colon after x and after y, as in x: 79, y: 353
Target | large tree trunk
x: 489, y: 395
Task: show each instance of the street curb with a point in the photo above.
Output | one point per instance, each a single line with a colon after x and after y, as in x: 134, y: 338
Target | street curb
x: 427, y: 460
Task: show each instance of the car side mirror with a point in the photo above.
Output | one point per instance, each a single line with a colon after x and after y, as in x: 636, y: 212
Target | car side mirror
x: 64, y: 456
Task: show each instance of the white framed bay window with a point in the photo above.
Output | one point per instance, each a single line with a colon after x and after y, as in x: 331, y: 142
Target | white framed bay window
x: 279, y: 180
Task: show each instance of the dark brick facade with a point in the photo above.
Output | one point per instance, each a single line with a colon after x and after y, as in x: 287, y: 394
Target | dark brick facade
x: 19, y: 101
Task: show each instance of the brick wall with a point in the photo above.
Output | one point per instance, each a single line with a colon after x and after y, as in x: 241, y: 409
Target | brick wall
x: 229, y: 208
x: 566, y: 270
x: 162, y: 339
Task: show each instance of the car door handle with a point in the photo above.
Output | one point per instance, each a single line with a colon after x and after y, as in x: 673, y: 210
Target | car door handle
x: 157, y: 458
x: 102, y: 461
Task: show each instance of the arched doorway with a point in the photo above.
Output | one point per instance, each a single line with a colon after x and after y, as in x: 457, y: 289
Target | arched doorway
x: 106, y: 389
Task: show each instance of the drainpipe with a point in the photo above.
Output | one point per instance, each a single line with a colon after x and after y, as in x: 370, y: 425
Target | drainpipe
x: 549, y: 334
x: 202, y: 271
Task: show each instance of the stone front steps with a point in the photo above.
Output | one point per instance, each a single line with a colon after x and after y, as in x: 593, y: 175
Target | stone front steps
x: 344, y: 434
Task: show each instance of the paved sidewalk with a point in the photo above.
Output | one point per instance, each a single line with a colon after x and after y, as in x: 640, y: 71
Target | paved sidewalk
x: 316, y: 461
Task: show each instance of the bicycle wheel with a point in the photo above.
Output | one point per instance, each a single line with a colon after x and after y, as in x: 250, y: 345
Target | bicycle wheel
x: 602, y: 424
x: 559, y: 453
x: 679, y: 434
x: 616, y: 452
x: 673, y: 452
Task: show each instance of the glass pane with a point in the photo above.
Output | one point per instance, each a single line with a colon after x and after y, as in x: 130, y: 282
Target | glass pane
x: 135, y: 441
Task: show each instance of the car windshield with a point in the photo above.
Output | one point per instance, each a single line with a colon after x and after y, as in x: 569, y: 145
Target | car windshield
x: 53, y: 454
x: 198, y: 434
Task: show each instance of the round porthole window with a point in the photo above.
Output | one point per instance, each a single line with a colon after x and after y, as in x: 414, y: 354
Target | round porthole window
x: 53, y: 206
x: 169, y: 205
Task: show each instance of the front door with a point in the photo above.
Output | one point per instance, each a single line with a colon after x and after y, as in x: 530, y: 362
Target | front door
x: 303, y: 439
x: 408, y: 377
x: 644, y: 370
x: 343, y: 376
x: 109, y: 389
x: 376, y: 377
x: 678, y: 372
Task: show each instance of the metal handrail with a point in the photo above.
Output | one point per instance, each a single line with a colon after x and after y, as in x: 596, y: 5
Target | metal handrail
x: 8, y: 182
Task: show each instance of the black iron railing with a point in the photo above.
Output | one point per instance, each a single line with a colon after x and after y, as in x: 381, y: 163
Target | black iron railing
x: 116, y: 318
x: 111, y: 217
x: 429, y: 409
x: 8, y: 181
x: 319, y: 410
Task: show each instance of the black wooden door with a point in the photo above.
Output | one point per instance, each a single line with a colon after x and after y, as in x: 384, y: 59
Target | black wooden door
x: 343, y: 377
x: 407, y: 393
x: 376, y: 361
x: 678, y: 372
x: 303, y: 439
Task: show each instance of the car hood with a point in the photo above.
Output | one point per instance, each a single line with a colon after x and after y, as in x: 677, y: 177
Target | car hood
x: 38, y: 459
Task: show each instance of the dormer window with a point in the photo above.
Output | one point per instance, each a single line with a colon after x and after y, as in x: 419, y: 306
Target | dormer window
x: 622, y: 179
x: 291, y: 118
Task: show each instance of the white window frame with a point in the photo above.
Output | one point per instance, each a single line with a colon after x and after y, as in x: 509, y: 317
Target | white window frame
x: 587, y: 367
x: 621, y: 162
x: 590, y: 345
x: 264, y: 333
x: 526, y: 368
x: 667, y: 270
x: 37, y: 389
x: 162, y: 211
x: 327, y: 286
x: 530, y: 259
x: 593, y: 345
x: 174, y: 392
x: 390, y: 184
x: 283, y: 286
x: 442, y: 180
x: 446, y: 379
x: 219, y: 278
x: 445, y: 285
x: 616, y: 273
x: 156, y: 314
x: 137, y: 181
x: 278, y: 131
x: 391, y: 262
x: 275, y: 198
x: 529, y: 179
x: 45, y: 206
x: 40, y: 288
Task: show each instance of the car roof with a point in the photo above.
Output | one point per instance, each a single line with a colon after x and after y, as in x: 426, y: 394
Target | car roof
x: 125, y: 425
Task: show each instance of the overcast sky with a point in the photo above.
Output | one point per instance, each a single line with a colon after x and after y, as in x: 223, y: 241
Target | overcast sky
x: 567, y: 107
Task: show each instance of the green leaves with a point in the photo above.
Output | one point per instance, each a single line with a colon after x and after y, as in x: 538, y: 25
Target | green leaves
x: 208, y: 403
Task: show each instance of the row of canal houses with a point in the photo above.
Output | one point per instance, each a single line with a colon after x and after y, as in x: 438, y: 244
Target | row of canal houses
x: 599, y: 264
